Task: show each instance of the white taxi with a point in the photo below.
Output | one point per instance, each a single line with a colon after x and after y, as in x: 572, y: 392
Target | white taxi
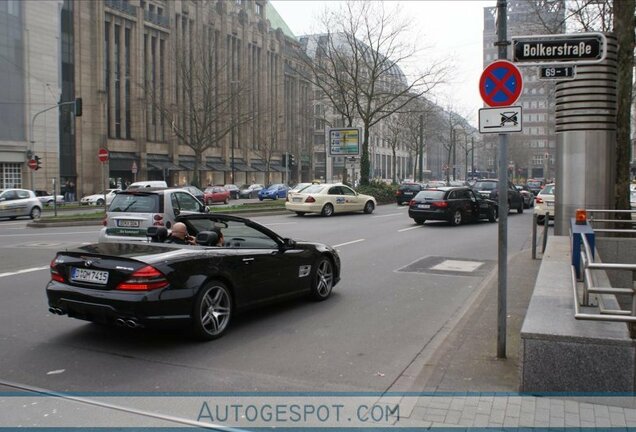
x: 328, y: 199
x: 544, y: 203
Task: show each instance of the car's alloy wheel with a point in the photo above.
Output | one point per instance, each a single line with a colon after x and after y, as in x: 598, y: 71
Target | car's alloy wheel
x: 212, y: 311
x: 457, y: 218
x: 100, y: 202
x: 540, y: 220
x: 327, y: 210
x: 369, y: 207
x: 492, y: 215
x: 227, y: 201
x: 323, y: 280
x: 420, y: 221
x: 300, y: 213
x: 35, y: 213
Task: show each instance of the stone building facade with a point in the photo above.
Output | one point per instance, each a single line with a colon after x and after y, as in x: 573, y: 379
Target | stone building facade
x: 127, y: 58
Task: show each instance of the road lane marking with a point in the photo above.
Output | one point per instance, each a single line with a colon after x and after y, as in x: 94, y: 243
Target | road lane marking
x: 24, y: 271
x: 348, y: 243
x: 409, y: 229
x: 387, y: 215
x: 48, y: 234
x: 278, y: 223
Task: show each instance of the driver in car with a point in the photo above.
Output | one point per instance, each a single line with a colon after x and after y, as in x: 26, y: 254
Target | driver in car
x: 179, y: 235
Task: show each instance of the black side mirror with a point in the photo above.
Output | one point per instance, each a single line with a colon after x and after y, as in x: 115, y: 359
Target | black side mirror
x: 289, y: 243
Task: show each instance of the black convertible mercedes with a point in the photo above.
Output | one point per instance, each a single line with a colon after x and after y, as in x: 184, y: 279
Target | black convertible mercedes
x: 202, y: 286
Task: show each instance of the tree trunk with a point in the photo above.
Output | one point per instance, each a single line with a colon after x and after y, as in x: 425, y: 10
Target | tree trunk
x: 394, y: 165
x: 624, y: 30
x: 364, y: 160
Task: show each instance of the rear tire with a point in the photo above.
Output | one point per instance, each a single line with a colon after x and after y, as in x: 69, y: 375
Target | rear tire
x: 212, y: 311
x: 520, y: 208
x: 327, y: 210
x: 322, y: 283
x: 100, y: 202
x: 457, y: 218
x: 227, y: 201
x: 420, y: 221
x: 300, y: 213
x: 540, y: 219
x: 369, y: 207
x: 36, y: 212
x: 492, y: 215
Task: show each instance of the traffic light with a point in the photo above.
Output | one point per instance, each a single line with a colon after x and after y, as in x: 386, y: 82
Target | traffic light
x: 38, y: 162
x: 78, y: 107
x: 291, y: 160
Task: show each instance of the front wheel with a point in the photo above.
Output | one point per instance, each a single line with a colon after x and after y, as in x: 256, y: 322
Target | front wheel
x: 300, y: 213
x: 369, y: 207
x: 456, y: 219
x: 212, y: 311
x: 327, y: 210
x: 35, y: 213
x: 492, y: 215
x: 520, y: 208
x: 322, y: 284
x: 227, y: 201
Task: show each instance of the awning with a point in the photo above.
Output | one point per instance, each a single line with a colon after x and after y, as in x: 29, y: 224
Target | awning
x: 217, y: 164
x: 258, y: 165
x: 186, y: 163
x: 121, y: 161
x: 276, y: 166
x: 239, y: 165
x: 159, y: 162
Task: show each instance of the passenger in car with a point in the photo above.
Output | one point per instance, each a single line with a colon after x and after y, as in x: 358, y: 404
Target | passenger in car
x: 180, y: 235
x: 221, y: 241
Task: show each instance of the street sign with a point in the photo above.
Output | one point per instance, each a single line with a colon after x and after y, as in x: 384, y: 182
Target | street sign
x: 344, y: 141
x: 133, y: 168
x: 500, y: 84
x: 500, y: 120
x: 33, y: 164
x: 575, y: 48
x: 102, y: 154
x: 557, y: 72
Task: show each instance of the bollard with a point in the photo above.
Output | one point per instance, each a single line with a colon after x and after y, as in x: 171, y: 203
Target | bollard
x: 546, y: 223
x: 534, y: 236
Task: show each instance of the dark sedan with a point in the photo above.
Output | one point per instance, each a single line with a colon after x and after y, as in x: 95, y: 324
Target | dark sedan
x: 406, y: 192
x: 200, y: 286
x: 456, y: 205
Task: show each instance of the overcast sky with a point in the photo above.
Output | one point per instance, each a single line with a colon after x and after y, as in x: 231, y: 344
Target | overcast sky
x: 449, y: 29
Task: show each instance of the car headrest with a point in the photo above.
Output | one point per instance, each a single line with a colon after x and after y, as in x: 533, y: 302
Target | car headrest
x: 207, y: 238
x: 157, y: 234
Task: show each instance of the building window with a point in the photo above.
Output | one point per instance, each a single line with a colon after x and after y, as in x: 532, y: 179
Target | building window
x: 259, y: 9
x: 537, y: 159
x: 128, y: 133
x: 10, y: 176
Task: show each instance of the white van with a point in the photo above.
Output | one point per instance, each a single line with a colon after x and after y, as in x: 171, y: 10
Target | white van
x: 148, y: 184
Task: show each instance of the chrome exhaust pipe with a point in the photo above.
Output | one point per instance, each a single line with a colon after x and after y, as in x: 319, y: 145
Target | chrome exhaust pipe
x: 56, y: 311
x: 120, y: 322
x: 132, y: 323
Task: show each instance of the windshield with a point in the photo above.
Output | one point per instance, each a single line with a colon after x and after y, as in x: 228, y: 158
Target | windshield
x: 548, y: 190
x: 489, y: 185
x: 430, y: 195
x: 135, y: 203
x: 534, y: 183
x: 313, y: 189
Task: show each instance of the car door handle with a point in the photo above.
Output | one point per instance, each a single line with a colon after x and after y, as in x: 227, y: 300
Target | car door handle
x: 248, y: 260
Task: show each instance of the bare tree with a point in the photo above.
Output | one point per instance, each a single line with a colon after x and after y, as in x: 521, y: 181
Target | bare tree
x: 393, y: 135
x: 357, y: 64
x: 202, y: 104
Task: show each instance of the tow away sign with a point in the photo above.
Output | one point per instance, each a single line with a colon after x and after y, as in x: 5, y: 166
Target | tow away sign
x: 500, y: 119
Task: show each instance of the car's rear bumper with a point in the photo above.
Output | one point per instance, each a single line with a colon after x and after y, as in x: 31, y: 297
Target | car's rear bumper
x: 428, y: 214
x: 143, y: 309
x: 542, y: 209
x: 303, y: 207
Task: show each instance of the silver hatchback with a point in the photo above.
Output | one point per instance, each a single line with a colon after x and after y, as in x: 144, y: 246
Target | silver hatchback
x: 19, y: 202
x: 132, y: 212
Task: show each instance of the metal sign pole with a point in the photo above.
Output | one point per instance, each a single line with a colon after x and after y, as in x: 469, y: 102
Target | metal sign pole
x: 104, y: 185
x: 502, y: 257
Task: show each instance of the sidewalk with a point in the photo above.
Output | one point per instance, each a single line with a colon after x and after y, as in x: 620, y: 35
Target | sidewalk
x: 465, y: 385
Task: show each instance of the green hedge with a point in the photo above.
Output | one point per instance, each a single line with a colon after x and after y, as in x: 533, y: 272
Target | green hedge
x: 383, y: 193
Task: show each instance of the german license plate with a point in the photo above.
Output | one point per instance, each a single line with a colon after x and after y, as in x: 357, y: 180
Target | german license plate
x: 550, y: 204
x: 128, y: 223
x: 423, y: 206
x: 90, y: 276
x: 297, y: 199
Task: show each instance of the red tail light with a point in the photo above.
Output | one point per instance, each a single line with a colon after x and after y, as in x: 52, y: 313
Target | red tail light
x: 398, y: 193
x: 538, y: 200
x: 310, y: 199
x: 158, y: 220
x: 145, y: 279
x: 440, y: 204
x: 105, y: 221
x: 412, y: 202
x: 55, y: 275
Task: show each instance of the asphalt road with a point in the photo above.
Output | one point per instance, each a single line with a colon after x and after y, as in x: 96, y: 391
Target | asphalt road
x: 362, y: 339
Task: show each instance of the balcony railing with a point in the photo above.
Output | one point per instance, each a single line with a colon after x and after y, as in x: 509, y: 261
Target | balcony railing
x: 122, y: 6
x: 160, y: 20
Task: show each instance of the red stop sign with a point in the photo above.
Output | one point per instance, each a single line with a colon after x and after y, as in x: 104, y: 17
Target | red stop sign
x: 33, y: 164
x: 102, y: 154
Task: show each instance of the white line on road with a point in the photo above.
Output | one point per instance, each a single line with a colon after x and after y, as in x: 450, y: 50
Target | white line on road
x: 278, y: 223
x: 348, y: 243
x: 409, y: 229
x: 24, y: 271
x: 48, y: 234
x: 386, y: 215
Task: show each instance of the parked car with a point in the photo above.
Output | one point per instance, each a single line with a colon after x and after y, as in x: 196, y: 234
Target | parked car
x: 544, y: 203
x: 456, y: 205
x: 489, y: 188
x: 46, y: 198
x: 200, y: 287
x: 535, y: 185
x: 632, y: 198
x: 98, y: 198
x: 527, y: 195
x: 133, y: 211
x: 148, y: 184
x: 274, y: 192
x: 406, y: 192
x: 234, y: 190
x: 216, y: 194
x: 19, y: 202
x: 250, y: 191
x: 330, y: 198
x: 198, y: 193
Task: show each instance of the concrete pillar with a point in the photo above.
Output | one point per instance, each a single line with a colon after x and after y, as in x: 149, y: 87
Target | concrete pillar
x: 586, y: 139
